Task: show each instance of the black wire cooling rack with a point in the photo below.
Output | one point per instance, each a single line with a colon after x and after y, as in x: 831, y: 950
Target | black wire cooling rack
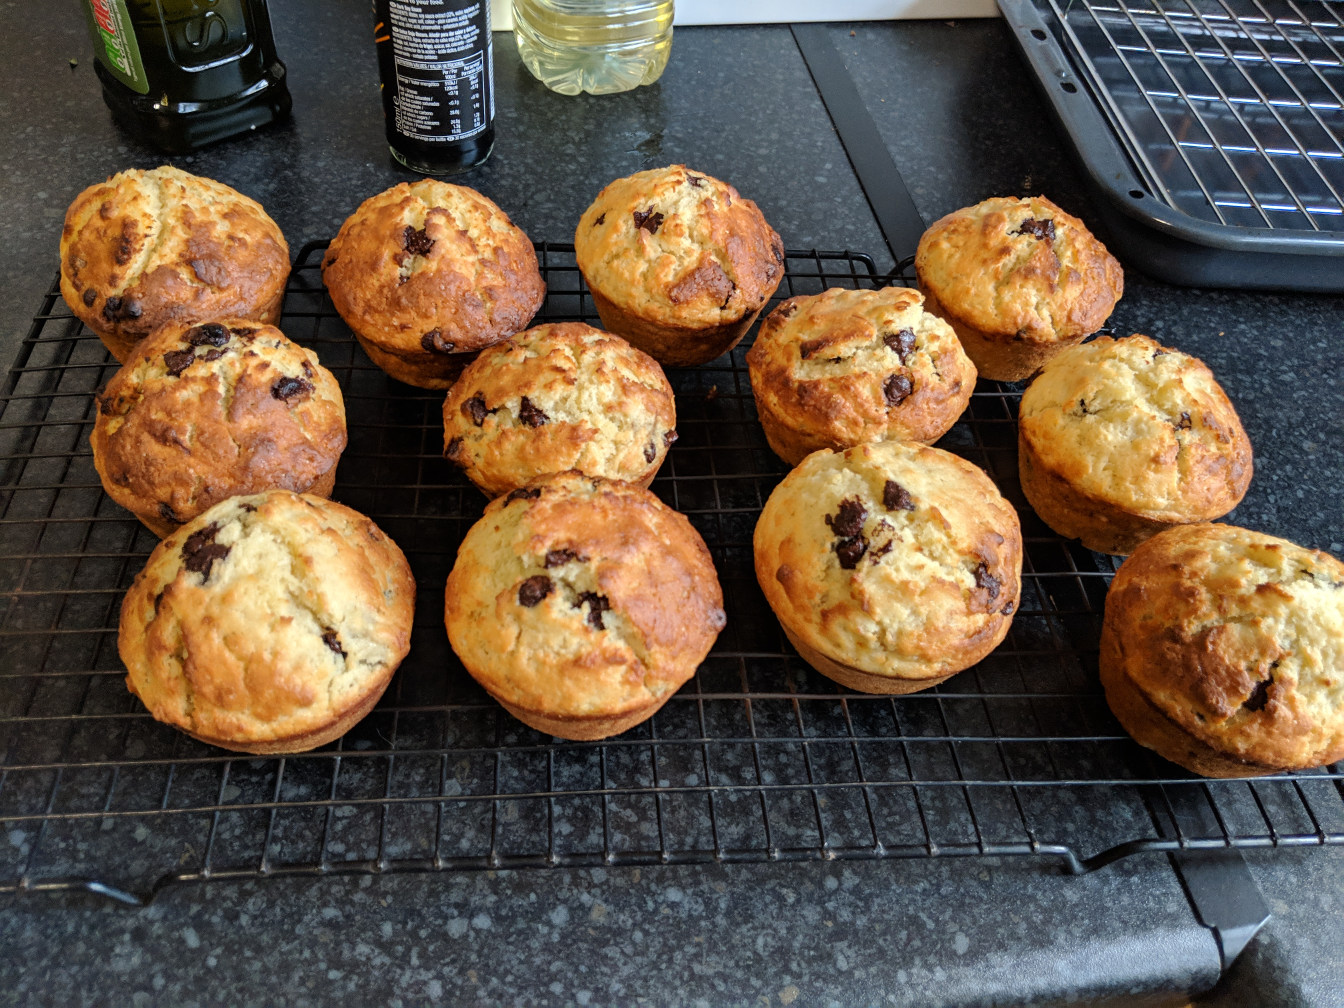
x: 758, y: 758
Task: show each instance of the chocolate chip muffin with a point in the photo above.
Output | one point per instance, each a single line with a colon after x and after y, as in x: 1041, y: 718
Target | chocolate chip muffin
x: 845, y: 367
x: 271, y: 623
x: 208, y: 411
x: 558, y: 397
x: 678, y: 263
x: 428, y: 273
x: 1222, y: 649
x: 1121, y: 438
x: 150, y: 247
x: 891, y: 566
x: 1019, y: 280
x: 582, y: 604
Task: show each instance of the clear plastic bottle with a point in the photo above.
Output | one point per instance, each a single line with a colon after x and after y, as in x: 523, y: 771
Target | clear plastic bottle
x: 598, y: 46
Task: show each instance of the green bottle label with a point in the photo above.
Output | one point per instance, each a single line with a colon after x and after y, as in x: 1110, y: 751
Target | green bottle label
x: 114, y: 42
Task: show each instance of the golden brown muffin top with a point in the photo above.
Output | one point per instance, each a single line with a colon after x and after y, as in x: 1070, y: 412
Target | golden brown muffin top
x: 847, y: 366
x: 149, y: 247
x: 265, y: 619
x: 1238, y: 637
x: 207, y: 411
x: 679, y: 247
x: 582, y: 597
x: 897, y: 559
x: 428, y: 265
x: 1138, y: 425
x: 558, y: 397
x: 1019, y: 268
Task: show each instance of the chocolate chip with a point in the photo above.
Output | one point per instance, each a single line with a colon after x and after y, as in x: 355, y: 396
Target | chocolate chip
x: 597, y: 605
x: 1042, y: 230
x: 177, y: 361
x: 90, y: 296
x: 200, y: 551
x: 333, y: 641
x: 984, y: 579
x: 118, y: 309
x: 1008, y: 608
x: 560, y: 557
x: 850, y: 551
x: 879, y: 552
x: 902, y: 343
x: 695, y: 180
x: 896, y: 497
x: 1184, y: 422
x: 650, y: 452
x: 416, y: 242
x: 669, y: 437
x: 288, y: 388
x: 212, y: 355
x: 848, y: 519
x: 167, y: 513
x: 125, y: 249
x: 475, y: 409
x: 453, y: 449
x: 1259, y: 696
x: 601, y: 219
x: 786, y: 309
x: 896, y: 389
x: 433, y: 342
x: 534, y: 589
x: 530, y: 414
x: 211, y: 333
x: 650, y: 220
x: 523, y: 493
x: 243, y: 332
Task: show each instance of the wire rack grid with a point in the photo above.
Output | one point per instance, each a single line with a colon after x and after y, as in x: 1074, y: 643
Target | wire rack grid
x: 758, y: 758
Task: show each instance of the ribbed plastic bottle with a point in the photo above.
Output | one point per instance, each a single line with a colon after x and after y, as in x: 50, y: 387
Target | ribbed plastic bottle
x: 180, y: 74
x: 598, y: 46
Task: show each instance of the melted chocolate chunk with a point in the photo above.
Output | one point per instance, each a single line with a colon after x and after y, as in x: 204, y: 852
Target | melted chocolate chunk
x: 669, y: 437
x: 1259, y: 696
x: 650, y: 220
x: 534, y: 589
x: 560, y: 557
x: 453, y: 449
x: 523, y: 493
x: 786, y: 309
x: 984, y: 579
x: 597, y: 605
x: 211, y: 333
x: 243, y: 331
x: 897, y: 389
x: 879, y: 552
x: 200, y: 551
x: 896, y: 497
x: 650, y: 452
x: 177, y: 361
x: 902, y: 343
x: 118, y: 309
x: 213, y: 354
x: 529, y: 414
x: 848, y: 520
x: 475, y: 409
x: 90, y: 296
x: 167, y: 513
x: 695, y: 180
x: 333, y: 641
x: 434, y: 342
x: 850, y: 551
x: 1042, y: 230
x: 288, y: 388
x: 1183, y: 423
x: 416, y: 242
x: 1008, y: 608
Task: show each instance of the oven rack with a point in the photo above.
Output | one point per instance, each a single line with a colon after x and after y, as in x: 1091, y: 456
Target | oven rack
x: 758, y: 758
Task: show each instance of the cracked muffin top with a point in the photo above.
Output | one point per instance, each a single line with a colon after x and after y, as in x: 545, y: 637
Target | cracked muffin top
x: 208, y: 411
x: 150, y: 247
x: 582, y: 604
x: 1223, y: 649
x: 269, y: 624
x: 558, y: 397
x: 426, y: 270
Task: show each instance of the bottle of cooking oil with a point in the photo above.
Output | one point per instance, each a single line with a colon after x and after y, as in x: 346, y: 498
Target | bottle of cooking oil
x: 180, y: 74
x: 598, y: 46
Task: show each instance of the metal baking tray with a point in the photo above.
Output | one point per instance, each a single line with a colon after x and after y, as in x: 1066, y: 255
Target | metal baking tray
x: 758, y: 758
x: 1211, y: 131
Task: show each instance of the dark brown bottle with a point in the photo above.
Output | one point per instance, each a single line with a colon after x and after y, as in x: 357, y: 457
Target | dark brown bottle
x: 180, y: 74
x: 436, y: 64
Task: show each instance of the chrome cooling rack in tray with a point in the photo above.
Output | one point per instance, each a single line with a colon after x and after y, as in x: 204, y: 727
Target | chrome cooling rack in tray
x: 758, y: 758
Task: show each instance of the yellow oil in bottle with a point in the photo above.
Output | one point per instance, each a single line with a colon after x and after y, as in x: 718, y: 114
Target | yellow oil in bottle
x: 598, y: 46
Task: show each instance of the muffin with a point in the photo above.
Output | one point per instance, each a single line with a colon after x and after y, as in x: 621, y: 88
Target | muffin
x: 150, y: 247
x: 1019, y: 280
x: 428, y: 273
x: 678, y: 263
x: 208, y: 411
x: 1222, y: 649
x: 269, y: 624
x: 1121, y: 438
x: 846, y: 367
x: 890, y: 566
x: 582, y: 604
x: 558, y: 397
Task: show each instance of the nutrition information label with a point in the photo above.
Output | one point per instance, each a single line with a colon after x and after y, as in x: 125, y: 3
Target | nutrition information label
x: 442, y: 55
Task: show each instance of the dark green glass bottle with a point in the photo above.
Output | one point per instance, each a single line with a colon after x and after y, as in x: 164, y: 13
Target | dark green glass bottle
x: 180, y: 74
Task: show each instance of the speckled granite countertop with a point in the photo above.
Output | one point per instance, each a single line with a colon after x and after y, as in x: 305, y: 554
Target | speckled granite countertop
x: 962, y: 120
